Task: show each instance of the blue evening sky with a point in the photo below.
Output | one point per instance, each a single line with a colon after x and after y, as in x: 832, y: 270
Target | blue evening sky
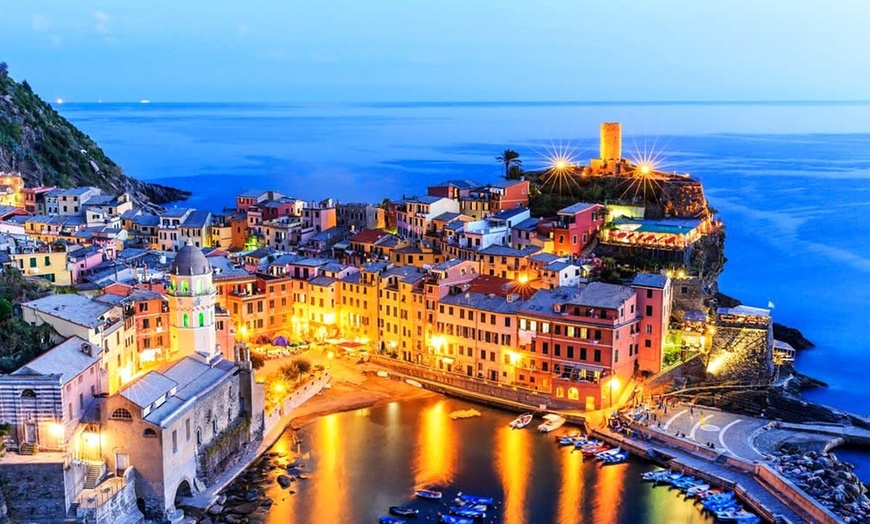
x: 405, y: 50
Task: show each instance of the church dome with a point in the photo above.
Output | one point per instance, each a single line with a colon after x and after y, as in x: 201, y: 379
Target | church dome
x: 190, y: 261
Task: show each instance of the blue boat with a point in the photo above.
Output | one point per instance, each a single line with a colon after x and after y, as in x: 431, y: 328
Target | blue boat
x: 469, y: 513
x: 404, y: 511
x: 487, y: 501
x: 387, y: 519
x: 428, y: 494
x: 452, y: 519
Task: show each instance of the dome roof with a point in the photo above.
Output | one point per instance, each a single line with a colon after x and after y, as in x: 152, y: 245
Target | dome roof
x: 190, y: 261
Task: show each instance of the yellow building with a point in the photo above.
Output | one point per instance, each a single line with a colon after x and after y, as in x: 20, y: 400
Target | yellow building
x: 50, y: 265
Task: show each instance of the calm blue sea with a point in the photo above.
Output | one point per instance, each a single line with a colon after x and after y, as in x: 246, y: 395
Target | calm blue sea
x: 791, y: 181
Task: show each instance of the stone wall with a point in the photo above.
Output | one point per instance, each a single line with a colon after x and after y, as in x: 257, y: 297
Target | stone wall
x: 795, y: 495
x: 683, y: 198
x: 34, y: 491
x: 121, y: 507
x: 688, y: 294
x: 223, y: 451
x: 741, y: 354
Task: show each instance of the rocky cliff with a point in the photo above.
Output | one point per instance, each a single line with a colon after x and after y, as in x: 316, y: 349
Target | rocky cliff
x: 48, y: 150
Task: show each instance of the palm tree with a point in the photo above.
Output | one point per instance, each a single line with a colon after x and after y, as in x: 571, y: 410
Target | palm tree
x: 509, y: 158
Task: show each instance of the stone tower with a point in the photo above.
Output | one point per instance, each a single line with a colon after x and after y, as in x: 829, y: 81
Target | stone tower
x: 191, y: 307
x: 611, y: 141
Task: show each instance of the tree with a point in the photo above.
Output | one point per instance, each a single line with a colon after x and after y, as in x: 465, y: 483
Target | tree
x: 5, y: 310
x: 514, y: 173
x: 509, y: 158
x: 4, y: 70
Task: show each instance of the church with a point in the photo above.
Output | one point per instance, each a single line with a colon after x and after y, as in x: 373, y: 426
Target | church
x: 179, y: 425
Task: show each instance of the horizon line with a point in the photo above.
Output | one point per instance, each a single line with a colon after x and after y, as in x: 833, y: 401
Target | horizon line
x: 473, y: 102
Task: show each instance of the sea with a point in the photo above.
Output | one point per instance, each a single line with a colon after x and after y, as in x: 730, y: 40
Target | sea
x: 790, y: 180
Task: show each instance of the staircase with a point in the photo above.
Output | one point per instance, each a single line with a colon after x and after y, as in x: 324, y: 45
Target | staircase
x: 92, y: 478
x: 28, y: 448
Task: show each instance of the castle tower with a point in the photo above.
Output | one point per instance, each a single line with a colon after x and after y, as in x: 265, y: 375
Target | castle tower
x: 191, y: 307
x: 611, y: 141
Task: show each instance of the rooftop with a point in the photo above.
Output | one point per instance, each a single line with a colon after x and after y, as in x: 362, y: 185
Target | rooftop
x: 65, y: 359
x: 484, y: 302
x: 195, y: 379
x: 650, y: 280
x: 507, y: 251
x: 77, y: 309
x: 577, y: 207
x: 321, y: 280
x: 461, y: 184
x: 148, y: 388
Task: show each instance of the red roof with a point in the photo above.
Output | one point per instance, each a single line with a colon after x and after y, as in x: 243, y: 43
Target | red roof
x: 368, y: 236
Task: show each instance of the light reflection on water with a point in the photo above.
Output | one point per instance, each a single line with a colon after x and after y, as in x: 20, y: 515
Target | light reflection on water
x: 362, y: 462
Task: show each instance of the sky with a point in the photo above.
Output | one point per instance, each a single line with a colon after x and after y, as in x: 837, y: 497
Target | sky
x: 449, y: 50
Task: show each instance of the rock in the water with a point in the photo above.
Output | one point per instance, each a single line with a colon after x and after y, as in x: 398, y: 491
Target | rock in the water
x: 216, y: 509
x: 251, y: 494
x: 284, y: 481
x: 244, y: 509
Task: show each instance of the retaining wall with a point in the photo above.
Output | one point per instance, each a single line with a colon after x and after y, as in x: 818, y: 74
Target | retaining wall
x: 787, y: 490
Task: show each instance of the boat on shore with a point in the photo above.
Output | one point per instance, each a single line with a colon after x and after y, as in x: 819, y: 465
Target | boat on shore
x: 522, y: 421
x: 413, y: 382
x: 607, y: 453
x: 428, y: 494
x: 551, y: 422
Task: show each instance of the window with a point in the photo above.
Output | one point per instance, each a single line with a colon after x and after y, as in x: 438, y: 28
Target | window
x: 649, y: 329
x: 616, y: 356
x: 184, y: 286
x: 32, y: 261
x: 201, y: 319
x: 185, y: 320
x: 597, y: 355
x: 647, y: 343
x: 121, y: 414
x: 174, y: 441
x: 649, y: 311
x: 149, y: 433
x: 146, y: 323
x: 47, y: 260
x: 582, y: 353
x: 649, y: 293
x: 187, y: 429
x: 28, y: 393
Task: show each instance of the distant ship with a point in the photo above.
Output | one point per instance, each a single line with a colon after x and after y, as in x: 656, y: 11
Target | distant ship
x: 144, y: 101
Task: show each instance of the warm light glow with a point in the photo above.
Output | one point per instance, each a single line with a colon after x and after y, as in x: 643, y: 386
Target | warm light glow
x: 126, y: 373
x: 514, y: 357
x: 435, y: 455
x: 56, y: 429
x: 278, y: 387
x: 243, y: 331
x: 437, y: 342
x: 90, y: 438
x: 330, y: 354
x: 614, y: 383
x: 59, y: 100
x: 644, y: 169
x: 561, y: 164
x: 716, y: 364
x: 329, y: 318
x: 523, y: 278
x: 681, y: 273
x: 513, y: 464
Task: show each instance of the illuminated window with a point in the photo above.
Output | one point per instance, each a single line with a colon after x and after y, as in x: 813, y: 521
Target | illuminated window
x: 201, y: 319
x: 185, y: 320
x: 560, y: 392
x: 184, y: 286
x: 573, y: 394
x: 149, y: 433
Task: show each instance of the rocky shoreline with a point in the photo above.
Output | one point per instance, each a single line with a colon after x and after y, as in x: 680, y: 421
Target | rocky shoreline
x: 831, y: 482
x: 244, y: 500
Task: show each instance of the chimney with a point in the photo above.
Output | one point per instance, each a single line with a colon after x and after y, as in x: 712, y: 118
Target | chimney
x: 611, y: 141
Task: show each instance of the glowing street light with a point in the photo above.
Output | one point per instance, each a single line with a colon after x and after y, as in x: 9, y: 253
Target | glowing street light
x: 523, y: 278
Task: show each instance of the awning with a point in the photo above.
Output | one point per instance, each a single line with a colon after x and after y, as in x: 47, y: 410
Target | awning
x: 281, y: 341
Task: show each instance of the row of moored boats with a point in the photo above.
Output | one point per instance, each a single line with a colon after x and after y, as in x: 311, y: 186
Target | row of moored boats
x: 723, y: 505
x: 464, y: 509
x: 592, y: 447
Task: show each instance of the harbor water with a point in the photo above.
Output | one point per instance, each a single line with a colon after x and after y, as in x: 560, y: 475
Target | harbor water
x: 362, y: 462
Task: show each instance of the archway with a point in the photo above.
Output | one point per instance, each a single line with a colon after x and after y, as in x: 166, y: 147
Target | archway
x: 183, y: 490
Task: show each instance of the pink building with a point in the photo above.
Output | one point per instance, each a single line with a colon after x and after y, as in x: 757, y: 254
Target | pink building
x: 579, y: 345
x: 654, y: 306
x: 575, y: 227
x: 83, y: 260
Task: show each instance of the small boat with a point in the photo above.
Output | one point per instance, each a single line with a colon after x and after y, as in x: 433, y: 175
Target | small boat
x: 463, y: 413
x: 551, y: 422
x: 413, y: 382
x: 404, y: 511
x: 470, y: 505
x: 667, y: 479
x: 475, y: 499
x: 650, y: 476
x: 387, y: 519
x: 453, y: 519
x: 583, y: 442
x: 462, y: 511
x: 618, y: 458
x: 428, y: 494
x: 697, y: 488
x: 612, y: 451
x: 739, y: 516
x: 522, y: 421
x: 594, y: 450
x: 383, y: 374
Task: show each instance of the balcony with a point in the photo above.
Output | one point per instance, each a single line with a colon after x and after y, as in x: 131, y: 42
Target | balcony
x: 188, y: 293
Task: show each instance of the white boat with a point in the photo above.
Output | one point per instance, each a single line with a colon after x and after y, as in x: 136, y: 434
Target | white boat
x: 612, y: 451
x: 413, y: 383
x: 383, y: 374
x: 522, y: 421
x: 551, y: 422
